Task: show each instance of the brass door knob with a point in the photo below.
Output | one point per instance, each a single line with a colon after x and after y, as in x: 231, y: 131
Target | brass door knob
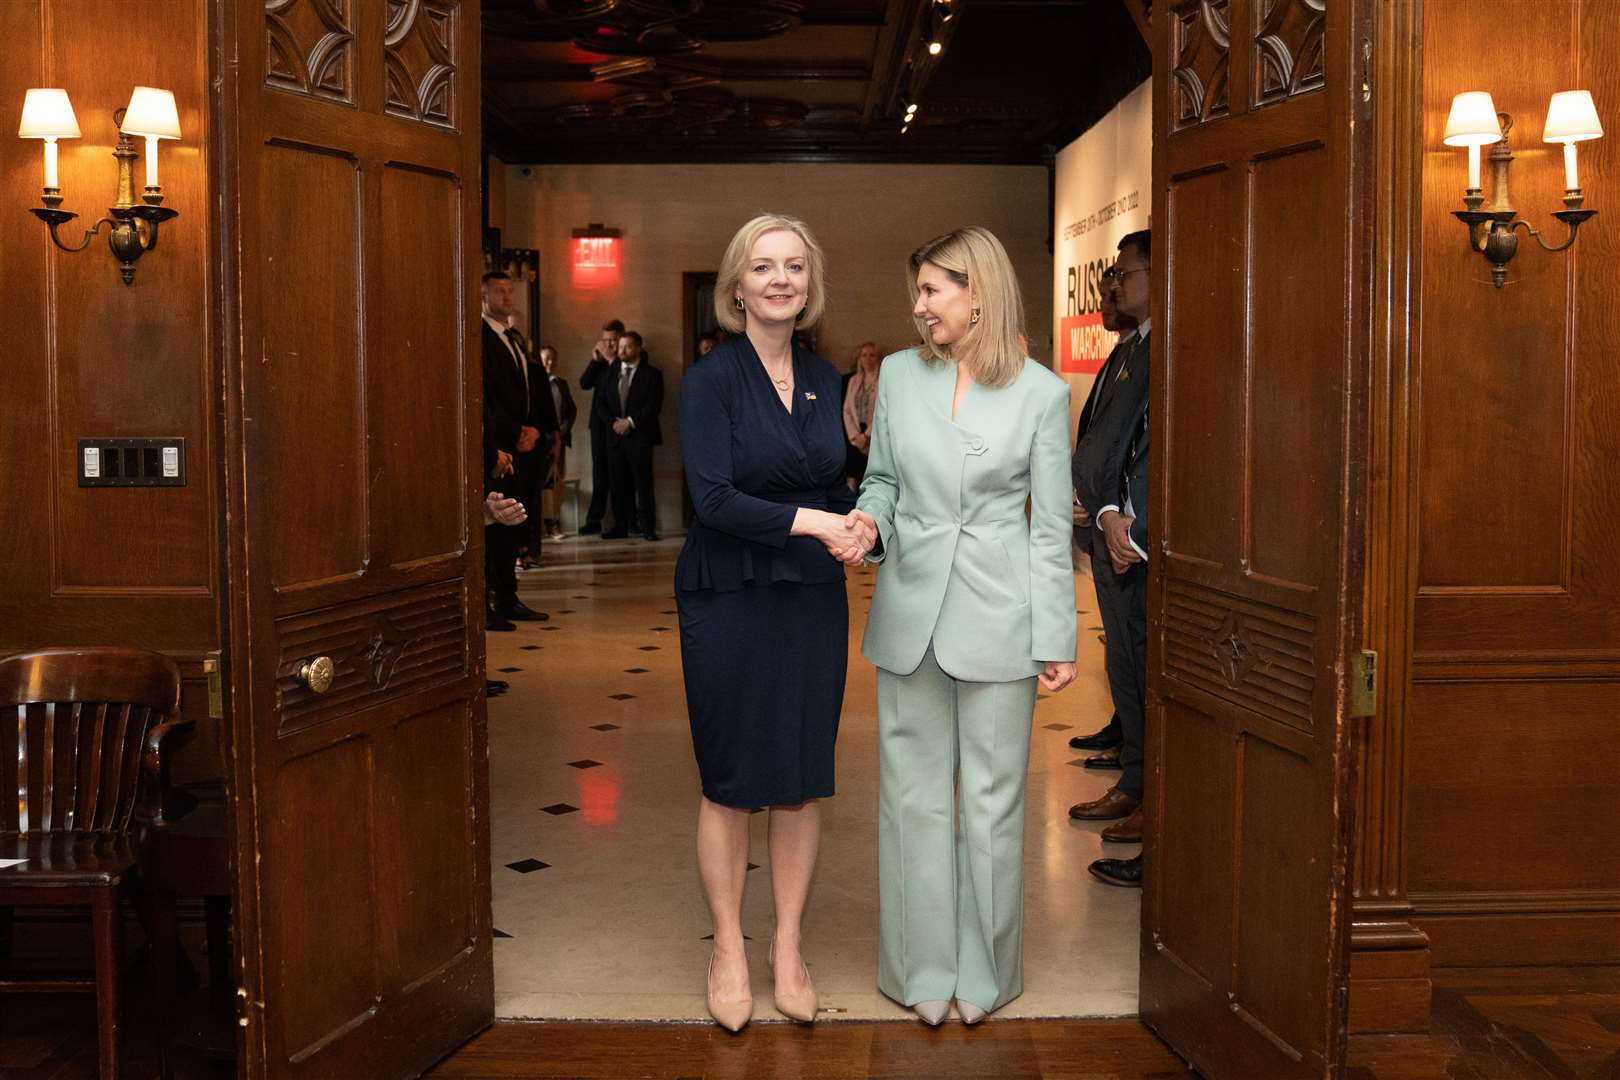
x: 317, y: 674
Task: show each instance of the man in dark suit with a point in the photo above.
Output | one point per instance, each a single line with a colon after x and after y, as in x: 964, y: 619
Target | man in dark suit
x: 604, y: 354
x: 630, y: 404
x: 562, y: 400
x: 518, y: 420
x: 1107, y: 739
x: 1099, y: 469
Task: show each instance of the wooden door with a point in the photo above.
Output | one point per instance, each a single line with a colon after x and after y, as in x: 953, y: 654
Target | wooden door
x: 1261, y: 343
x: 347, y: 150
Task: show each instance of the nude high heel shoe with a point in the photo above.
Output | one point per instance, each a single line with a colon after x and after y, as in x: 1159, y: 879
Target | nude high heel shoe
x: 801, y: 1006
x: 970, y: 1013
x: 731, y: 1015
x: 932, y: 1013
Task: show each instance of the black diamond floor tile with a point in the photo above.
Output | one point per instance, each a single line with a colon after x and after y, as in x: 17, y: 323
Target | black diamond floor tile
x: 528, y: 648
x: 649, y: 648
x: 1057, y: 727
x: 621, y: 697
x: 635, y: 671
x: 502, y: 933
x: 583, y: 763
x: 710, y: 937
x: 508, y: 670
x: 556, y: 809
x: 605, y: 727
x: 551, y: 628
x: 527, y: 866
x: 753, y: 866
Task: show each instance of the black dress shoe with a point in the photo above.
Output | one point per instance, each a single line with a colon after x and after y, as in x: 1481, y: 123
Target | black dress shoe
x: 494, y: 621
x: 1108, y: 759
x: 615, y: 534
x: 518, y: 611
x: 588, y: 528
x: 1124, y: 873
x: 494, y: 687
x: 1106, y: 739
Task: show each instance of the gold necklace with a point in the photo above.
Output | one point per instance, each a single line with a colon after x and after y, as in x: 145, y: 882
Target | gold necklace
x: 781, y: 384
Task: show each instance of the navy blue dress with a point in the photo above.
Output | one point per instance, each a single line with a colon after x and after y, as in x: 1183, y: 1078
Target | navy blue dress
x: 764, y: 617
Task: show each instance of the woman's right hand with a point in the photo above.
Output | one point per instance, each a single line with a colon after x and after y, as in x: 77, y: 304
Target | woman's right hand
x: 846, y: 539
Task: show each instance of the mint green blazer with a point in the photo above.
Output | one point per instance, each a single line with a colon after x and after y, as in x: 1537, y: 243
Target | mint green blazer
x: 964, y: 567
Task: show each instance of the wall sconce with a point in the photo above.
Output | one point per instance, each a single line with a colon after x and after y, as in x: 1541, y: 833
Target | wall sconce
x: 48, y: 115
x: 1474, y: 122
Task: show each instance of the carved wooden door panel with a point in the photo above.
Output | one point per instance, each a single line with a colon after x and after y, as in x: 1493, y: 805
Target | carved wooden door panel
x: 1261, y: 342
x: 347, y: 168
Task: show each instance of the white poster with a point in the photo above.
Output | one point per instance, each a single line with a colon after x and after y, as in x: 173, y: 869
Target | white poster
x: 1103, y: 190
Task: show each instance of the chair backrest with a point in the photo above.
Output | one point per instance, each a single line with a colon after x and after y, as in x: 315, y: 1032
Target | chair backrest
x: 73, y: 726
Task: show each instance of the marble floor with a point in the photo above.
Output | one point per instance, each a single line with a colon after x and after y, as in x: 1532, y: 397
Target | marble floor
x: 593, y: 789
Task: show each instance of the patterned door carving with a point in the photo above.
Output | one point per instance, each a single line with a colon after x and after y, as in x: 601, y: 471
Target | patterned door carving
x: 348, y: 168
x: 1261, y: 342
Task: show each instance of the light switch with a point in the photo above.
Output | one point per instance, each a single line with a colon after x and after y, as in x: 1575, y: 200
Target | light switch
x: 125, y: 462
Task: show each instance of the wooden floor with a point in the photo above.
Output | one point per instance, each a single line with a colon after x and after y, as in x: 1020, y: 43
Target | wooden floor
x: 1489, y: 1025
x: 1523, y: 1024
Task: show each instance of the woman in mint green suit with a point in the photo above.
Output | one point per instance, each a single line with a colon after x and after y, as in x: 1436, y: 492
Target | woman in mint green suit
x: 974, y: 604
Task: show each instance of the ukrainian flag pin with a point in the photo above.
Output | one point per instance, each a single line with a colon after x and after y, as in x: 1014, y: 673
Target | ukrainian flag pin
x: 808, y: 396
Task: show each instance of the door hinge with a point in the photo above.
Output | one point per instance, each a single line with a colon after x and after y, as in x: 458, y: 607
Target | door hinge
x: 1364, y: 685
x: 216, y: 686
x: 1366, y: 71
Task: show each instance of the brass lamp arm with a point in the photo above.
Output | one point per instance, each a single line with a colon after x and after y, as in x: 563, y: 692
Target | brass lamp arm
x: 1571, y: 218
x: 55, y: 218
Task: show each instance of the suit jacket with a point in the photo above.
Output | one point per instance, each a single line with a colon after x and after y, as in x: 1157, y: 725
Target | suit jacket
x: 1134, y: 483
x: 1105, y: 374
x: 593, y: 379
x: 510, y: 403
x: 1098, y: 465
x: 965, y: 569
x: 646, y: 401
x: 570, y: 411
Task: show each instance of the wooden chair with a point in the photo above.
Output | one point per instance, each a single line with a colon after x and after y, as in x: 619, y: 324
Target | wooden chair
x: 81, y: 735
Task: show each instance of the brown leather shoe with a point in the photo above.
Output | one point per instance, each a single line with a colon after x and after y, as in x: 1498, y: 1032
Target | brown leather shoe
x: 1115, y: 804
x: 1128, y: 831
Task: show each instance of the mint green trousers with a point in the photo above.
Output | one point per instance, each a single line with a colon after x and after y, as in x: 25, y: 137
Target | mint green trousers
x: 953, y: 757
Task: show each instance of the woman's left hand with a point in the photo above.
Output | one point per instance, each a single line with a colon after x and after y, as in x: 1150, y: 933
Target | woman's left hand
x: 1057, y: 674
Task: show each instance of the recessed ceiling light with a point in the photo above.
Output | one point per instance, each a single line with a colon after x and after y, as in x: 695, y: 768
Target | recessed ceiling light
x: 904, y: 128
x: 934, y: 48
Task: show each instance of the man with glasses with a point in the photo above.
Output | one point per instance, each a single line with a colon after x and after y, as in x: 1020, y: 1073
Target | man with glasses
x: 1106, y: 740
x: 1113, y: 513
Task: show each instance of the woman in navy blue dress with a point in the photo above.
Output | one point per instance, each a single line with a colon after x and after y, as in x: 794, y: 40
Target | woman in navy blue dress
x: 760, y: 589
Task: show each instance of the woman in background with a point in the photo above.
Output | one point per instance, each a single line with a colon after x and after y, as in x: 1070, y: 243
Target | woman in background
x: 860, y: 400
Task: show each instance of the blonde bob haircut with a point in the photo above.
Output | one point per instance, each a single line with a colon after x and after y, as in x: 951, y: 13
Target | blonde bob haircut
x: 973, y: 258
x: 735, y: 261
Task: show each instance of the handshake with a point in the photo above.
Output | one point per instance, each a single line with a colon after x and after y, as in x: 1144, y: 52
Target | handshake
x: 848, y: 537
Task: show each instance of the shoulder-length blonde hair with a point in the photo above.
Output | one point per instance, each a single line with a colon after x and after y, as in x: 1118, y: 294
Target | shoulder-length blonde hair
x: 975, y: 259
x: 735, y: 261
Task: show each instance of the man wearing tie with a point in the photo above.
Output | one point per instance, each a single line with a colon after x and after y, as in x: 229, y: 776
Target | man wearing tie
x: 1107, y: 739
x: 520, y: 419
x: 633, y: 398
x: 1119, y: 570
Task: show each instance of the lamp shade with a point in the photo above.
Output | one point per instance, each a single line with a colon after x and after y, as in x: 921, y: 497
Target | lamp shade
x: 151, y: 113
x: 1472, y: 121
x: 48, y: 114
x: 1571, y: 117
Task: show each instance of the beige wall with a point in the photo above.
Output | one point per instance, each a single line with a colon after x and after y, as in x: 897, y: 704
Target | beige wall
x: 678, y: 218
